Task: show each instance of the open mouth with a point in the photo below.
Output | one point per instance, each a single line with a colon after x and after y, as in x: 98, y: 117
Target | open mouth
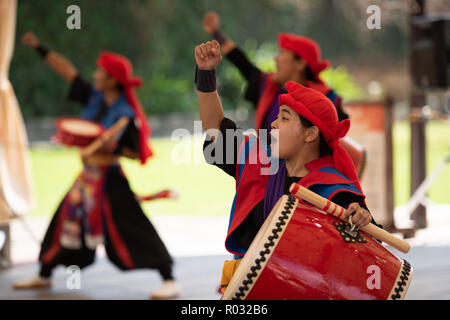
x: 273, y: 139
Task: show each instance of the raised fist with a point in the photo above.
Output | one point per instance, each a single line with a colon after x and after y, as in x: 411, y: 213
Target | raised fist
x: 211, y: 22
x: 30, y: 39
x: 207, y: 55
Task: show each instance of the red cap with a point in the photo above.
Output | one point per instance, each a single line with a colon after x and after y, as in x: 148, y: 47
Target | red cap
x: 121, y: 69
x: 321, y: 112
x: 305, y: 48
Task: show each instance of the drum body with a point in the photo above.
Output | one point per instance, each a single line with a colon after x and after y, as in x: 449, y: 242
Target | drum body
x: 302, y: 253
x: 76, y: 132
x: 356, y: 153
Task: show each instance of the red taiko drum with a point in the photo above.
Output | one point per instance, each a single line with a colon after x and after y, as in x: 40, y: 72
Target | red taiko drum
x: 302, y: 253
x: 76, y: 131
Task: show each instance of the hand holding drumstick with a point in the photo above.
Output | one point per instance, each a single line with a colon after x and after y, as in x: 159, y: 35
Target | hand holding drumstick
x: 341, y: 213
x: 106, y: 138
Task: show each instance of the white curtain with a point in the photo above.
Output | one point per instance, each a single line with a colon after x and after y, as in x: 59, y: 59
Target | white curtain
x: 16, y: 192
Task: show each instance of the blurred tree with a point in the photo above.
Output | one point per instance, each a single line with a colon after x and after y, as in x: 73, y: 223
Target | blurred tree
x: 159, y: 36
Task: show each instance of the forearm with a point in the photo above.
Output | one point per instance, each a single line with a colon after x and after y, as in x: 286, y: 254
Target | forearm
x: 210, y: 110
x: 209, y: 105
x: 61, y: 66
x: 226, y: 44
x: 108, y: 139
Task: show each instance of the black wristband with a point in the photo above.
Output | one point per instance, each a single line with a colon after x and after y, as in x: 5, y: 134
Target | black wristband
x: 220, y: 37
x: 205, y: 80
x: 43, y: 52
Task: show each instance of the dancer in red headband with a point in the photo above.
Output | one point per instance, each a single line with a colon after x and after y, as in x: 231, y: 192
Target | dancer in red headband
x: 100, y: 207
x: 304, y: 149
x: 299, y: 60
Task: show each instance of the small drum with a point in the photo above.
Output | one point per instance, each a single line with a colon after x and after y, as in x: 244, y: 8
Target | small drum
x: 356, y: 153
x: 302, y: 253
x: 76, y: 131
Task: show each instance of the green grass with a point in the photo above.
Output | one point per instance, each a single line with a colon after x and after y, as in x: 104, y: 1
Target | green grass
x: 437, y: 144
x: 203, y: 188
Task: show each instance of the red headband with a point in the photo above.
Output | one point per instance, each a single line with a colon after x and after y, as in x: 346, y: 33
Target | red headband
x: 321, y: 112
x: 306, y: 49
x: 121, y: 69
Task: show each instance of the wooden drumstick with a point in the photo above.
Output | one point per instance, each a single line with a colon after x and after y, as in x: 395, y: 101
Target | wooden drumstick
x: 105, y: 137
x: 337, y: 211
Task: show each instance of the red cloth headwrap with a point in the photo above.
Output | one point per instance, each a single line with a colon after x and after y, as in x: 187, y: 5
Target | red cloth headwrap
x: 121, y: 69
x: 321, y: 112
x: 305, y: 48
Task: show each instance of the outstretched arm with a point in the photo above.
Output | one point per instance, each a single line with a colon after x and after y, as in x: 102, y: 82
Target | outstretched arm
x: 207, y: 56
x: 251, y: 73
x: 59, y: 64
x: 211, y: 24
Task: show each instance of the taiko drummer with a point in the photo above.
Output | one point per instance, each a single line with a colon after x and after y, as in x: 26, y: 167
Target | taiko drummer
x: 304, y: 148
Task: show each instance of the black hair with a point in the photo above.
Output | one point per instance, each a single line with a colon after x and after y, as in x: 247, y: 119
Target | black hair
x: 324, y: 148
x: 120, y: 87
x: 309, y: 75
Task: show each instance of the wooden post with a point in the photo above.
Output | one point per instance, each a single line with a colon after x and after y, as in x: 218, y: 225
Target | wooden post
x: 418, y: 146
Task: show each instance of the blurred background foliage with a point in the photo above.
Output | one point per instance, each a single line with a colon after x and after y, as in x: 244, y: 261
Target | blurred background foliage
x: 159, y: 37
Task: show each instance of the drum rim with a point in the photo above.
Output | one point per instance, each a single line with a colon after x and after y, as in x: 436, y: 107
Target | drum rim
x: 287, y: 205
x: 59, y: 126
x: 401, y: 284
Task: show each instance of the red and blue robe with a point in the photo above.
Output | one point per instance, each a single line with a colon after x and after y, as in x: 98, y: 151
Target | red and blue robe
x: 261, y: 180
x: 253, y: 185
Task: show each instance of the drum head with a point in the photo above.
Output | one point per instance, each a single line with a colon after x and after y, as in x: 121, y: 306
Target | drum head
x: 80, y: 127
x: 76, y: 131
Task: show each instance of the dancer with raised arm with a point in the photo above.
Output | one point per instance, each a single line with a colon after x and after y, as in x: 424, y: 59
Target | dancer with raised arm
x: 298, y: 60
x: 100, y: 207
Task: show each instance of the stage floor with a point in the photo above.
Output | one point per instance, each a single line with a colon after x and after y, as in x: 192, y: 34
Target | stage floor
x: 200, y: 276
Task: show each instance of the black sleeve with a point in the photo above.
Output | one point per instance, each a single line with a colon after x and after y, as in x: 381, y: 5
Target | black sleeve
x: 247, y: 230
x: 344, y: 199
x: 249, y: 71
x: 129, y: 139
x: 238, y: 58
x: 80, y: 90
x: 227, y: 160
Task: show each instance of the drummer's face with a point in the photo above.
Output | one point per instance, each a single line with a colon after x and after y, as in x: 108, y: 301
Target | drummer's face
x: 288, y: 67
x: 103, y: 81
x: 288, y: 135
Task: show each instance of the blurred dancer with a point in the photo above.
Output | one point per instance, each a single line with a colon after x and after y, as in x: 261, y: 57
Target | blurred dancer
x: 298, y: 60
x: 100, y: 208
